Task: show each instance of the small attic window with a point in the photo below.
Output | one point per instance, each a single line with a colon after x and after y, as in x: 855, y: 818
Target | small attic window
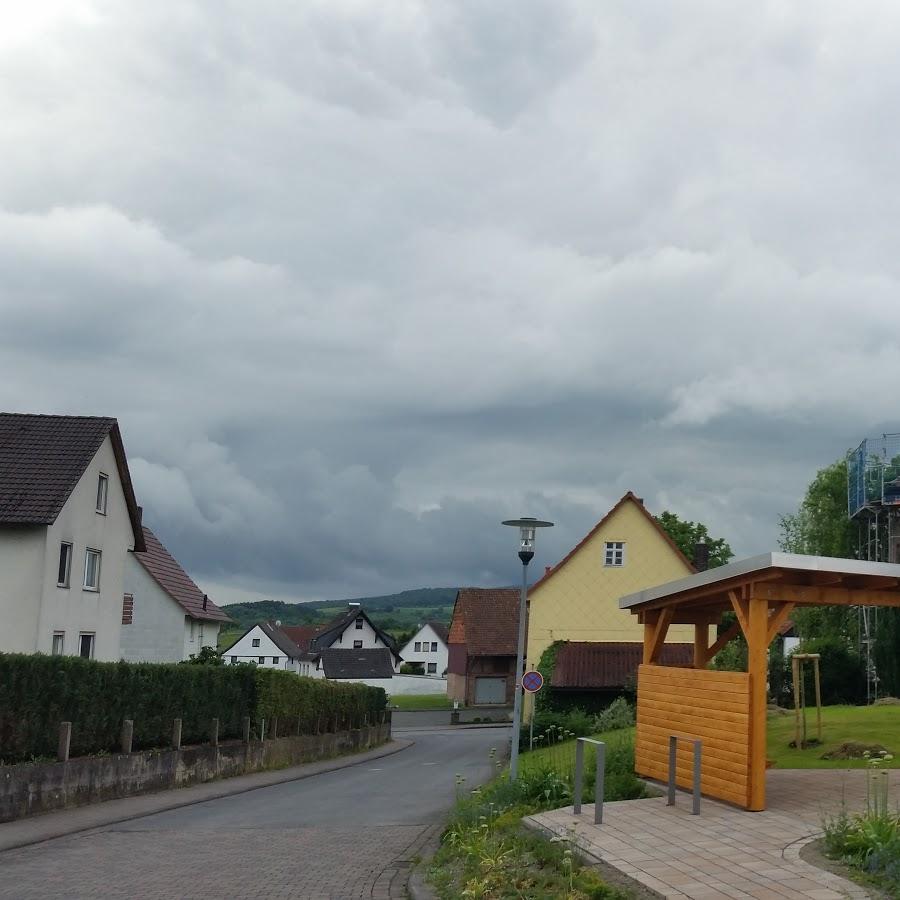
x: 102, y: 491
x: 359, y: 623
x: 614, y: 554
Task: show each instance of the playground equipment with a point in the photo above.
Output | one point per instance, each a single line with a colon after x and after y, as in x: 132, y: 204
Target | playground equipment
x: 797, y: 660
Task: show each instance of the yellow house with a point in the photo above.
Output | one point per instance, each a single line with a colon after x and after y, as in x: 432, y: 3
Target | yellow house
x: 578, y: 599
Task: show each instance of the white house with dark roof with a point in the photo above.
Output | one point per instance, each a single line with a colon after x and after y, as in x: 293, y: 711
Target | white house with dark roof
x: 165, y: 616
x: 266, y: 645
x: 68, y: 517
x: 428, y: 648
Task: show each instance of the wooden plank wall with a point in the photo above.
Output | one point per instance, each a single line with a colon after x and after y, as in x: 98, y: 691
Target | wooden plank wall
x: 696, y: 703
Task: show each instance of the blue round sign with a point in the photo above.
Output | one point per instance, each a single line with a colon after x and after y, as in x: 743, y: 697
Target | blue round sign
x: 532, y: 681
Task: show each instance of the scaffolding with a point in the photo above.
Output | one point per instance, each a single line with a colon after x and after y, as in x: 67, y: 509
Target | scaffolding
x: 873, y: 502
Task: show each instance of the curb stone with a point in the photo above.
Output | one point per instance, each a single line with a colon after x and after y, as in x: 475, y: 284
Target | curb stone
x: 61, y: 823
x: 418, y: 887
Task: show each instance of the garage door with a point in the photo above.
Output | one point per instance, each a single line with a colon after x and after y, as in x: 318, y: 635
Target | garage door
x: 490, y: 690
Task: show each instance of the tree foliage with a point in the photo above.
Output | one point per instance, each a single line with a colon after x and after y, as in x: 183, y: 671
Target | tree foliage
x: 686, y: 534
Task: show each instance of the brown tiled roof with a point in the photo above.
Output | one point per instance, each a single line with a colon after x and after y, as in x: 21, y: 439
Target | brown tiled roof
x: 549, y: 572
x: 440, y: 629
x: 42, y: 458
x: 375, y: 662
x: 486, y: 620
x: 301, y: 635
x: 590, y: 664
x: 166, y: 572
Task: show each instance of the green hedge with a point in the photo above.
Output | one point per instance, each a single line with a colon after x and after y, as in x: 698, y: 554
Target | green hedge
x: 38, y: 692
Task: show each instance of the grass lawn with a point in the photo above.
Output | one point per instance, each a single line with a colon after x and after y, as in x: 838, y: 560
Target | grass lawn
x: 421, y: 701
x: 561, y: 757
x: 840, y: 724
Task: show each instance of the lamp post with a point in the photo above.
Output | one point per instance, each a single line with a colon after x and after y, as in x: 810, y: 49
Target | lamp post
x: 527, y: 529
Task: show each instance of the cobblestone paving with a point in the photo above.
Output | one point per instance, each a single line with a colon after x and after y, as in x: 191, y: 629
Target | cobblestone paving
x: 307, y: 863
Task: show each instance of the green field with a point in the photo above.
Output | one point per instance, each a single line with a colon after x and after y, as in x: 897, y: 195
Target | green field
x: 422, y: 701
x: 840, y: 724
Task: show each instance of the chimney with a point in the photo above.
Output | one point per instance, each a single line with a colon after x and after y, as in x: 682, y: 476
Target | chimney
x: 701, y: 555
x: 205, y: 601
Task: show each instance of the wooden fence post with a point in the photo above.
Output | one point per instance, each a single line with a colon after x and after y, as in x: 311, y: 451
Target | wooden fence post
x: 127, y: 735
x: 245, y: 729
x: 274, y: 726
x: 262, y: 729
x: 214, y: 732
x: 65, y: 740
x: 176, y: 734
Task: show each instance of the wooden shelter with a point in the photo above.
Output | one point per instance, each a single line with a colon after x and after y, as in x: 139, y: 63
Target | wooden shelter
x: 727, y: 710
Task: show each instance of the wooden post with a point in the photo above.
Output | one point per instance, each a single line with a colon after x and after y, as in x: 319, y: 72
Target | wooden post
x: 795, y: 672
x: 65, y: 741
x: 758, y: 619
x: 262, y: 729
x: 818, y: 696
x: 701, y: 637
x: 214, y: 732
x: 245, y: 729
x: 274, y: 726
x: 127, y: 735
x: 649, y: 629
x: 176, y: 734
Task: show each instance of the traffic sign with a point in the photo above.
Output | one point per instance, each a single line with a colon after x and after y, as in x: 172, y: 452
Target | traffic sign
x: 532, y: 681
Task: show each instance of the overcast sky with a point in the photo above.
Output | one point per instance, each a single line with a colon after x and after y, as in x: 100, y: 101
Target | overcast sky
x: 361, y: 279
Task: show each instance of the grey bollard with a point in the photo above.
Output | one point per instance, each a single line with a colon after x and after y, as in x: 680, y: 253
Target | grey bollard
x: 127, y: 735
x: 65, y: 740
x: 176, y: 734
x: 214, y: 732
x: 245, y: 729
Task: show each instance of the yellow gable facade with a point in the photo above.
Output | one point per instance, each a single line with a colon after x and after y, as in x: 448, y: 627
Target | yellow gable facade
x: 578, y: 600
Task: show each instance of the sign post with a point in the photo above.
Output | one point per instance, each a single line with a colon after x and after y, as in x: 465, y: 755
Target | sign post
x: 532, y: 682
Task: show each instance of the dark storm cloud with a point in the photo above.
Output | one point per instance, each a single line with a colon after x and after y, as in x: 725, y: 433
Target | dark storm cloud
x: 360, y: 280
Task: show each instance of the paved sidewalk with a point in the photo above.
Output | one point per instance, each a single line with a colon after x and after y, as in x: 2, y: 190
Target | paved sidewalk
x: 725, y: 851
x: 51, y: 825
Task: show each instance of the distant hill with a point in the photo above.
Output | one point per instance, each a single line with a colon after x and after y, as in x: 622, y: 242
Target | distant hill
x: 395, y: 613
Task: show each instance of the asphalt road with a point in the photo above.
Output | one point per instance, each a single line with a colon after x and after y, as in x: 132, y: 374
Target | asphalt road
x: 341, y: 835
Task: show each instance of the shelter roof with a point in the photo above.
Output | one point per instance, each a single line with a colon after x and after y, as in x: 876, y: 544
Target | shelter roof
x: 594, y: 665
x: 788, y: 577
x: 165, y: 571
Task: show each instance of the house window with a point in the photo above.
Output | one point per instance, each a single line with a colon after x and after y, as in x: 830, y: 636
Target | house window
x: 418, y: 647
x: 128, y: 609
x: 357, y: 645
x: 359, y: 623
x: 233, y: 659
x: 262, y: 660
x: 102, y: 490
x: 432, y: 668
x: 434, y: 646
x: 92, y: 570
x: 65, y: 564
x: 59, y: 642
x: 86, y: 645
x: 275, y: 660
x: 614, y: 554
x: 192, y: 631
x: 255, y: 642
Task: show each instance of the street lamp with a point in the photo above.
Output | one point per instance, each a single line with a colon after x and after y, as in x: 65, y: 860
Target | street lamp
x: 527, y: 529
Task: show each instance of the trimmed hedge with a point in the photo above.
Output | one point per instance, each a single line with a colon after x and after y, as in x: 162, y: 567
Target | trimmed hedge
x: 38, y: 692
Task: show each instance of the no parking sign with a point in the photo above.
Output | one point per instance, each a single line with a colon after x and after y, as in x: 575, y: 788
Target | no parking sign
x: 532, y: 681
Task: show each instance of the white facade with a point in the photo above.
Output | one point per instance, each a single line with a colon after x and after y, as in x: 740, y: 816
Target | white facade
x: 257, y: 647
x: 427, y: 647
x: 401, y: 685
x: 160, y: 630
x: 360, y: 635
x: 34, y: 607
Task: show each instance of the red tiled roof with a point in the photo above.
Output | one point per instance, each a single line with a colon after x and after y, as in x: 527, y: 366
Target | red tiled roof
x: 486, y: 620
x: 628, y: 498
x: 42, y: 458
x: 166, y: 572
x: 591, y: 664
x: 301, y: 635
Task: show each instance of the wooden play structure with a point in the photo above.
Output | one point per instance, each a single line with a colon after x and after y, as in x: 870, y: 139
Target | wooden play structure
x: 727, y: 710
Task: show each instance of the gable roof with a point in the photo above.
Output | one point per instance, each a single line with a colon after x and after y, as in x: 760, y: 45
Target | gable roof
x: 275, y: 634
x: 301, y: 635
x: 440, y: 629
x: 165, y: 571
x: 375, y: 662
x: 486, y: 620
x: 628, y: 498
x: 42, y: 458
x: 589, y: 664
x: 328, y: 634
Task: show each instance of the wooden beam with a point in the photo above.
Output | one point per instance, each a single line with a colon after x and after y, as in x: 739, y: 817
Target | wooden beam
x: 826, y: 596
x: 728, y: 635
x: 721, y: 590
x: 742, y: 611
x: 757, y: 657
x: 659, y: 634
x: 701, y: 646
x: 778, y: 615
x: 823, y: 579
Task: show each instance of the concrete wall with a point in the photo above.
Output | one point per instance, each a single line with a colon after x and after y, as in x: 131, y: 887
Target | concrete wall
x: 157, y: 632
x: 22, y: 551
x: 29, y: 789
x: 416, y: 684
x: 425, y: 637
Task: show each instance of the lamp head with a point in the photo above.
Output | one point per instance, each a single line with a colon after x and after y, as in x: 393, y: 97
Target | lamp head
x: 527, y: 529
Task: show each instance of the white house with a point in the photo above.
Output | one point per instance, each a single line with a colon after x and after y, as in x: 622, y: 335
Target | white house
x: 68, y: 518
x: 266, y: 645
x: 165, y: 617
x: 351, y: 631
x: 428, y: 647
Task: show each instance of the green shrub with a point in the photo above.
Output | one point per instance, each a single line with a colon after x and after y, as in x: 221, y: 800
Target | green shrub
x: 619, y: 714
x: 38, y: 692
